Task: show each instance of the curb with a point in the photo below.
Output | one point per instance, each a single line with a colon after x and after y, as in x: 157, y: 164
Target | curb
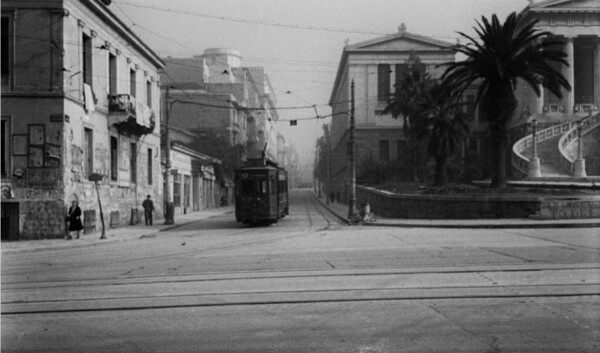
x: 511, y: 223
x: 73, y: 244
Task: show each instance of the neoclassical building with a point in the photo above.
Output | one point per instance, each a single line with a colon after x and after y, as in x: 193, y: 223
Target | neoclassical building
x: 375, y: 66
x: 576, y: 25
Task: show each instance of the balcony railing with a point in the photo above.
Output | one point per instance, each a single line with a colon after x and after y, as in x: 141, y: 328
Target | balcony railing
x: 554, y: 108
x: 121, y: 103
x: 129, y: 116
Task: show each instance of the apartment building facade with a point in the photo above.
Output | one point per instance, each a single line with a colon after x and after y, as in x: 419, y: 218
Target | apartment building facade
x: 80, y: 98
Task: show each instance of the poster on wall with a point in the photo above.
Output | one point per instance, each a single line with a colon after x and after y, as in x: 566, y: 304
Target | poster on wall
x: 53, y: 153
x: 36, y: 157
x: 36, y: 135
x: 19, y: 145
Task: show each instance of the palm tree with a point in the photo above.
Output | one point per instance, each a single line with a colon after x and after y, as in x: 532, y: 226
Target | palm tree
x: 404, y: 102
x: 446, y: 126
x: 504, y: 53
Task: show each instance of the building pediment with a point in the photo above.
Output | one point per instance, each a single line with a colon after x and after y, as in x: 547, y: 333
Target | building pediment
x: 565, y: 5
x: 400, y: 41
x: 570, y: 18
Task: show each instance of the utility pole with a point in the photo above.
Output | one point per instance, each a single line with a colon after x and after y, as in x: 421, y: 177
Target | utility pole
x: 352, y: 205
x: 170, y: 209
x: 328, y: 143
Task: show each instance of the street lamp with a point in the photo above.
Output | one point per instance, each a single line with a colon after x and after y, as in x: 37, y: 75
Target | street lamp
x: 533, y: 169
x: 579, y: 166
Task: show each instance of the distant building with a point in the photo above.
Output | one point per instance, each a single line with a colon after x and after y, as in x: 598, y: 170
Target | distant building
x: 80, y: 96
x: 220, y: 109
x: 195, y: 184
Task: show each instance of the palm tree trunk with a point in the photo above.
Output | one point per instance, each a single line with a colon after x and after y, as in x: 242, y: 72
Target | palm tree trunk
x: 440, y: 170
x: 499, y: 148
x: 498, y: 106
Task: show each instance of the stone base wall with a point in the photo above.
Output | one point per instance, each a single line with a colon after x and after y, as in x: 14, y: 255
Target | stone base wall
x: 392, y: 205
x: 569, y: 209
x: 42, y: 219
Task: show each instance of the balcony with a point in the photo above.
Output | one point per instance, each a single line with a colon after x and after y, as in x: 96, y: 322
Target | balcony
x: 128, y: 116
x: 121, y: 104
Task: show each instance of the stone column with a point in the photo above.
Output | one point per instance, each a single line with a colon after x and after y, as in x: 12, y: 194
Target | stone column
x: 569, y: 73
x: 540, y: 101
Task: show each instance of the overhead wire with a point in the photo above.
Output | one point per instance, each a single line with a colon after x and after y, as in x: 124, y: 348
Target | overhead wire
x: 261, y: 22
x: 241, y: 20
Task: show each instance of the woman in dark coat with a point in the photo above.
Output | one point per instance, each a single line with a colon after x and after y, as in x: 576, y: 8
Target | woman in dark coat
x: 74, y: 218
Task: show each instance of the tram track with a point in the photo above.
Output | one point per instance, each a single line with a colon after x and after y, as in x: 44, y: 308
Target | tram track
x: 296, y: 274
x: 298, y: 287
x: 297, y: 297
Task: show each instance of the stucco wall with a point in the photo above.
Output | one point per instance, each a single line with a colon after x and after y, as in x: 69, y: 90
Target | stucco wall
x: 45, y: 96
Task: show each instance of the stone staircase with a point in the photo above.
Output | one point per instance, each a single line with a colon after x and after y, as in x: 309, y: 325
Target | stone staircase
x: 549, y: 155
x: 556, y: 148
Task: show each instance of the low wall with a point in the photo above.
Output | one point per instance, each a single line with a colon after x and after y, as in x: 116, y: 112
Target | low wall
x: 392, y: 205
x: 569, y: 209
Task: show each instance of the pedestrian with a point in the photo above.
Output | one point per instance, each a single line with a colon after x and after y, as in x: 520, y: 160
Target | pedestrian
x: 148, y: 206
x: 74, y: 218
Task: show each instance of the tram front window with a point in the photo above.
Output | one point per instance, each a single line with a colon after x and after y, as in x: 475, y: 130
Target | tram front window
x: 254, y: 187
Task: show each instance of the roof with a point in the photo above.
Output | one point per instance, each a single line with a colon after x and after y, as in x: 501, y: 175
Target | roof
x: 193, y: 153
x: 105, y: 13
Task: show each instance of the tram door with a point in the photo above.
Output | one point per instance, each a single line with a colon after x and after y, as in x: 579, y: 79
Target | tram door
x: 272, y: 190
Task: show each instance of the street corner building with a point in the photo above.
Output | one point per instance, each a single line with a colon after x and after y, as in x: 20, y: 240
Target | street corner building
x: 80, y: 97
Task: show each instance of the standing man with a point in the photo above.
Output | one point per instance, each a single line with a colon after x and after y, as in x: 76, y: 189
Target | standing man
x: 148, y: 206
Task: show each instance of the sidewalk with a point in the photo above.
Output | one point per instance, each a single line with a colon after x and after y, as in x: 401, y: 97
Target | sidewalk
x: 341, y: 211
x: 124, y: 233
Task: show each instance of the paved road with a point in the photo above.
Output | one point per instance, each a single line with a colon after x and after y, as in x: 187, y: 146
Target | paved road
x: 308, y: 283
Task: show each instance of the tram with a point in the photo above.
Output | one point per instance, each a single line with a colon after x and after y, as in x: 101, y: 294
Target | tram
x: 261, y: 192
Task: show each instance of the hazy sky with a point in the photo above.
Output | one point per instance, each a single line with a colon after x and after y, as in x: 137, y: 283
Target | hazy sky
x: 298, y: 42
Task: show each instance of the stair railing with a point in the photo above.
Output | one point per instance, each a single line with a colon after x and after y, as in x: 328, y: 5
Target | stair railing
x: 571, y: 136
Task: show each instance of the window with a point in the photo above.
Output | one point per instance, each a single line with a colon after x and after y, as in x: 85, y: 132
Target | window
x: 133, y: 163
x: 149, y: 166
x: 401, y: 71
x: 383, y: 82
x: 254, y: 187
x: 177, y: 190
x: 5, y: 51
x: 384, y: 150
x: 401, y: 149
x: 5, y: 146
x: 114, y: 158
x: 112, y: 74
x: 87, y: 59
x: 132, y: 82
x: 149, y: 94
x: 88, y: 151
